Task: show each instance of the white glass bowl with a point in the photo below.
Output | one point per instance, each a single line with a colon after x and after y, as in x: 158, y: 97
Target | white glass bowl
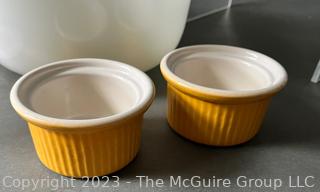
x: 138, y: 32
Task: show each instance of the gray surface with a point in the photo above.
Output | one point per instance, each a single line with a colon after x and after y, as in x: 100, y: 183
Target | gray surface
x: 288, y: 144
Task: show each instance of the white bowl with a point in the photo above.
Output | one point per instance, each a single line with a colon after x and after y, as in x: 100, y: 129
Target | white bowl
x: 138, y: 32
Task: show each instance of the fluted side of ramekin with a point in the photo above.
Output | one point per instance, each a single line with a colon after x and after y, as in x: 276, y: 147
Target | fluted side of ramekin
x: 211, y: 123
x: 88, y: 152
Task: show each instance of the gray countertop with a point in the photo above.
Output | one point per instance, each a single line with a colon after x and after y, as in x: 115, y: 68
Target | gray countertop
x: 288, y: 144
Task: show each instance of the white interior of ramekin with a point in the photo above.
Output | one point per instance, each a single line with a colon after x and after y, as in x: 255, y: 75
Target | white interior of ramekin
x: 224, y: 70
x: 81, y: 93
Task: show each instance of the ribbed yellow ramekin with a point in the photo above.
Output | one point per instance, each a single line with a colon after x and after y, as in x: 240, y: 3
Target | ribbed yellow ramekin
x: 213, y: 123
x: 214, y: 116
x: 89, y: 152
x: 84, y: 115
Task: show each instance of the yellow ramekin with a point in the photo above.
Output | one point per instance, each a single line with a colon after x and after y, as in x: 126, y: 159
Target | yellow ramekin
x: 218, y: 95
x: 84, y: 115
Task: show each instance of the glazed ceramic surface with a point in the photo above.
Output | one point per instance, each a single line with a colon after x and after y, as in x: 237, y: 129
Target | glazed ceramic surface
x: 138, y: 32
x: 218, y: 95
x: 84, y: 115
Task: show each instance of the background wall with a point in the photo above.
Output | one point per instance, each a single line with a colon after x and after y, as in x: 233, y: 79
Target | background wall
x: 200, y: 8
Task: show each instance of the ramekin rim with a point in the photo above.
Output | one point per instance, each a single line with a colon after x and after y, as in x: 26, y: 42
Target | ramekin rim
x: 207, y: 92
x: 52, y: 122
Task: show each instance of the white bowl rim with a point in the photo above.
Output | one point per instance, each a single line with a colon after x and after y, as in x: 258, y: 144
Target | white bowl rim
x: 279, y: 82
x: 52, y: 122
